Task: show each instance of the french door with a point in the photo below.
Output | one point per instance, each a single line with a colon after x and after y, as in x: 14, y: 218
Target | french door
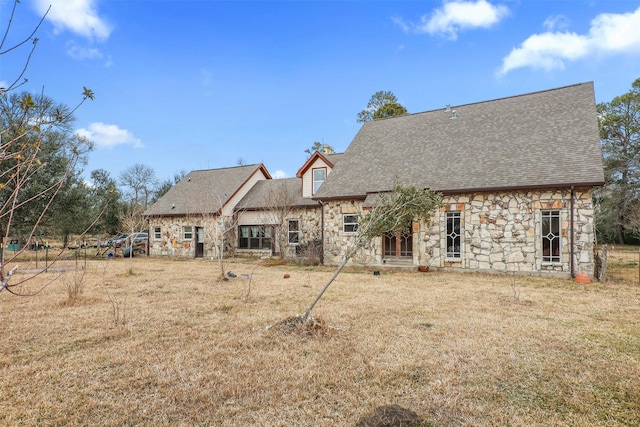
x: 398, y: 244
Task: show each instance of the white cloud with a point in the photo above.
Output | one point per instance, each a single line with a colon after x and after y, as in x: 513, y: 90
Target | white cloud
x: 78, y: 16
x: 400, y: 23
x: 108, y: 136
x: 82, y: 53
x: 458, y: 15
x: 609, y: 34
x: 556, y: 22
x: 279, y: 174
x: 547, y: 51
x: 616, y: 32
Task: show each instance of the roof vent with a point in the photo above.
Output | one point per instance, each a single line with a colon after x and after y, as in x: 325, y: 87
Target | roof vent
x: 454, y: 114
x: 448, y: 109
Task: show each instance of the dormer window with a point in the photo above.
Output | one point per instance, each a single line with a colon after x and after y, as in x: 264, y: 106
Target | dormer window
x: 319, y: 175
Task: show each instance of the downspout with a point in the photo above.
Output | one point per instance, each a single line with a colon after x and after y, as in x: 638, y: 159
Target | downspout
x: 148, y: 220
x: 321, y: 232
x: 572, y: 249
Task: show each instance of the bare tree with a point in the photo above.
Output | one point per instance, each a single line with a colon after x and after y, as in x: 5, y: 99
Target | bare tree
x: 223, y: 240
x: 280, y: 209
x: 633, y: 218
x: 218, y: 227
x: 20, y: 79
x: 141, y: 181
x: 132, y: 220
x: 28, y: 129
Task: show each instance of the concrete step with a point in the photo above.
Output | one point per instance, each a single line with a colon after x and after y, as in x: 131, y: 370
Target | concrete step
x: 398, y: 261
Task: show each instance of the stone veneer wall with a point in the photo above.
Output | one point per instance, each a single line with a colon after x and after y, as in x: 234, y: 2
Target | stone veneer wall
x: 336, y: 242
x: 309, y: 226
x: 310, y: 223
x: 171, y: 242
x: 500, y: 233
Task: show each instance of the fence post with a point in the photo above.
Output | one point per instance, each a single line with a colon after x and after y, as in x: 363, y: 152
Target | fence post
x: 603, y: 270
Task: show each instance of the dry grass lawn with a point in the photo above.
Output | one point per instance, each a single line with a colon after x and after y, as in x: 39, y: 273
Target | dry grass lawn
x: 166, y: 344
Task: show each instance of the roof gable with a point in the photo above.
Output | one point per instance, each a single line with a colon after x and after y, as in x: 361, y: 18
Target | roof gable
x: 207, y: 191
x: 547, y: 138
x: 311, y: 161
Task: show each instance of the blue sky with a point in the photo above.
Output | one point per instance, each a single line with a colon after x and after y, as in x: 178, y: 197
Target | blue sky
x: 198, y: 84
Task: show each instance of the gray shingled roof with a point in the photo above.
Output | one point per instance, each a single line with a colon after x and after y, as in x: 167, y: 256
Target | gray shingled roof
x: 203, y: 191
x: 334, y: 158
x: 261, y: 195
x: 542, y: 139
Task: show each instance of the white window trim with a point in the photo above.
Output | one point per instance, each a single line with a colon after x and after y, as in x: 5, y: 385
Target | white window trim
x: 560, y: 243
x: 157, y: 236
x: 350, y: 223
x: 289, y: 232
x: 447, y: 257
x: 184, y: 233
x: 313, y: 179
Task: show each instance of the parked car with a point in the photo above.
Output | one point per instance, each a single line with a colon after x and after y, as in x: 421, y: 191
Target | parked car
x: 115, y: 242
x: 139, y: 238
x: 139, y: 243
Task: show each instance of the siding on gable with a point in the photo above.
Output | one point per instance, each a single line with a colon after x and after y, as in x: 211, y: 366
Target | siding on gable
x: 231, y: 204
x: 260, y: 217
x: 307, y: 177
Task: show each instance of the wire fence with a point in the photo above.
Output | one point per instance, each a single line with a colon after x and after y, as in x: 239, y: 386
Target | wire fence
x: 618, y: 264
x: 45, y: 259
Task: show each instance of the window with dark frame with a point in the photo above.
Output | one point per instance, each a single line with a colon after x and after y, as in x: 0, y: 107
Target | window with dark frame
x: 294, y: 232
x: 453, y: 235
x: 255, y: 236
x: 349, y: 223
x: 551, y: 240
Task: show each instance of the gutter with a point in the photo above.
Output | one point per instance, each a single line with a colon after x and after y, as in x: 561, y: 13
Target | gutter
x: 321, y: 232
x: 587, y: 184
x: 523, y: 187
x: 572, y: 235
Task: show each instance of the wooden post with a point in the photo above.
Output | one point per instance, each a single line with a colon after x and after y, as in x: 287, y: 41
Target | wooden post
x: 603, y: 270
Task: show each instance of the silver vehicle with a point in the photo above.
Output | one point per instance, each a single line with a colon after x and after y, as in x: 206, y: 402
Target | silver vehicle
x: 138, y: 238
